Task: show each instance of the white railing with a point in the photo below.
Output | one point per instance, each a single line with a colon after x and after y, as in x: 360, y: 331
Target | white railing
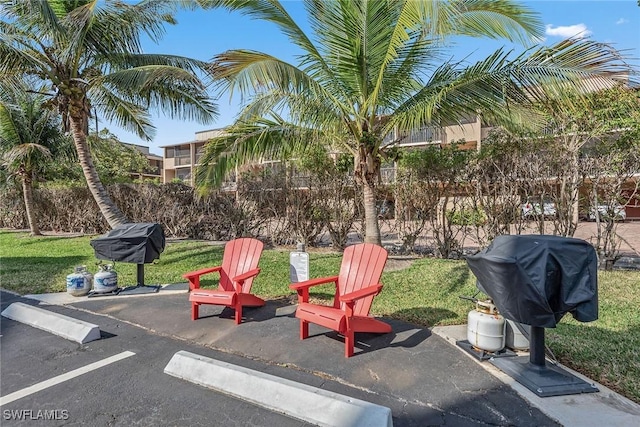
x: 425, y: 135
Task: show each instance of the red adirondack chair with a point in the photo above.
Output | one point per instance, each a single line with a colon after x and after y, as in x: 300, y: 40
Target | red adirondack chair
x: 239, y: 268
x: 356, y: 285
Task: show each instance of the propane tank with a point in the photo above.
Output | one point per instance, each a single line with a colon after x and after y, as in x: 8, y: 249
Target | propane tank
x: 485, y: 327
x: 514, y: 338
x: 79, y: 282
x: 105, y: 280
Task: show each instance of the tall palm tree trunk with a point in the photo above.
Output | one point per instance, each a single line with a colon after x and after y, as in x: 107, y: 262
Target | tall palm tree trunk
x: 372, y: 228
x: 367, y: 171
x: 27, y: 193
x: 110, y: 211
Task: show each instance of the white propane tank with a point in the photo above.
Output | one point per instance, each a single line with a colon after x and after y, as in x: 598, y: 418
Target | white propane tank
x: 79, y: 282
x: 514, y: 339
x: 485, y: 327
x: 105, y: 280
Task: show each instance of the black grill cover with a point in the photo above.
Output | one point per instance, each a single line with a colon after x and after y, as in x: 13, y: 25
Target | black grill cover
x: 139, y: 243
x: 536, y: 279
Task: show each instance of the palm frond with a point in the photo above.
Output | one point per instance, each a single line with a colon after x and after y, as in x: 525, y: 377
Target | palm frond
x: 128, y: 115
x: 270, y: 11
x: 116, y: 62
x: 504, y: 19
x: 175, y: 91
x: 300, y: 111
x: 36, y: 15
x: 17, y: 52
x: 249, y: 71
x: 404, y: 50
x: 502, y: 89
x: 99, y: 43
x: 25, y: 153
x: 29, y: 133
x: 116, y: 27
x: 8, y: 126
x: 244, y: 142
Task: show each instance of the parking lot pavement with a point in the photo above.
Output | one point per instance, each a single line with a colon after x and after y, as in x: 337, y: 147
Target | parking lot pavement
x: 419, y: 376
x: 132, y: 390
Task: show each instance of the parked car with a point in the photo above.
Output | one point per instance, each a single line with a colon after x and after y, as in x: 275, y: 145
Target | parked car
x: 534, y: 210
x: 605, y: 212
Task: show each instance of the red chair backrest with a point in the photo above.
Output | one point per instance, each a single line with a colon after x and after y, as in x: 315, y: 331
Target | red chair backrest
x: 240, y: 256
x: 362, y: 266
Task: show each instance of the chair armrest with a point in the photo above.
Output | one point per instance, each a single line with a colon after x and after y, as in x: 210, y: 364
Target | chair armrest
x: 362, y: 293
x: 303, y: 287
x: 244, y: 276
x: 312, y: 282
x: 194, y: 276
x: 239, y: 280
x: 201, y: 272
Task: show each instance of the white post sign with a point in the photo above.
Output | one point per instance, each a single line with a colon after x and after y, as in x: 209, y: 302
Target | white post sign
x: 298, y: 266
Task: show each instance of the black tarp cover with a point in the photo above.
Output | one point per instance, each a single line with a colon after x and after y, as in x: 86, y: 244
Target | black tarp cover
x: 138, y: 243
x: 536, y: 279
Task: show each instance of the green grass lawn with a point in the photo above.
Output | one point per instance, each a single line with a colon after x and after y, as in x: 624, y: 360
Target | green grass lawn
x: 426, y: 292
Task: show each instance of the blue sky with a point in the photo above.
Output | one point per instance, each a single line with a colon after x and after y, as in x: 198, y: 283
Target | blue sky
x: 203, y: 34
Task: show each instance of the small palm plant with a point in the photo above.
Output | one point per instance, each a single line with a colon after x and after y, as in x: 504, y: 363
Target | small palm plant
x: 29, y: 137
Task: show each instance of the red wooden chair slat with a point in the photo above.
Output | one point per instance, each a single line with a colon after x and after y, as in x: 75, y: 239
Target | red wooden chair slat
x: 239, y: 268
x: 357, y: 283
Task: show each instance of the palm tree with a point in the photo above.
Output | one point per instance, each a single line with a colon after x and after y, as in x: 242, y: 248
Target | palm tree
x: 89, y: 53
x: 29, y: 136
x: 373, y: 67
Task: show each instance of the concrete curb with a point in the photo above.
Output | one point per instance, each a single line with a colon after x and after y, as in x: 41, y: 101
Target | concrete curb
x: 300, y: 401
x: 64, y: 298
x: 58, y: 324
x: 605, y: 408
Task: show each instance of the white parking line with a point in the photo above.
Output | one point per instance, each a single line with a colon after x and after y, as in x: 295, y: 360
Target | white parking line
x: 62, y: 378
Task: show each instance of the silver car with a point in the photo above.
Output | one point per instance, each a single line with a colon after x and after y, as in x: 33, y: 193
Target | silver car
x: 533, y: 210
x: 605, y: 212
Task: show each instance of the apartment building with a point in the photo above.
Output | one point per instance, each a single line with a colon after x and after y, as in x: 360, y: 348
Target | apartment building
x: 155, y: 168
x: 180, y: 160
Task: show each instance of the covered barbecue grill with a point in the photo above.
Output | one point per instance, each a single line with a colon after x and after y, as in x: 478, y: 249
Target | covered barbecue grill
x: 535, y: 280
x: 139, y: 243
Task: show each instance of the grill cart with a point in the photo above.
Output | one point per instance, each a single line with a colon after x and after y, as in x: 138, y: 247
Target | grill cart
x: 139, y: 243
x: 535, y: 280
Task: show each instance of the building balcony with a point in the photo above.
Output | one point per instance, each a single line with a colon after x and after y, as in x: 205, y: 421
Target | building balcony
x: 182, y: 161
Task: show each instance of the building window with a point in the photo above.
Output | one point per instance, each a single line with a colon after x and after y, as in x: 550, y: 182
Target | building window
x: 182, y: 151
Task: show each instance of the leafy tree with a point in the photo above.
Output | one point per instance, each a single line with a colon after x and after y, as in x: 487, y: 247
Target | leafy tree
x: 439, y: 174
x: 30, y: 136
x: 610, y: 160
x: 89, y: 54
x: 115, y: 161
x: 574, y: 125
x: 370, y: 68
x: 612, y: 168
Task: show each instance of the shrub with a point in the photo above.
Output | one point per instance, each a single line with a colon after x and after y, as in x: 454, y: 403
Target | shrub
x: 467, y: 216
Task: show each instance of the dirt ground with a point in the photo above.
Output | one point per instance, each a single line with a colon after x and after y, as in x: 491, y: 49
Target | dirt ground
x: 628, y: 234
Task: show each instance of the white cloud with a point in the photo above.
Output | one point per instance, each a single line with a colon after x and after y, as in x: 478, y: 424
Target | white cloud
x: 577, y: 31
x: 621, y: 21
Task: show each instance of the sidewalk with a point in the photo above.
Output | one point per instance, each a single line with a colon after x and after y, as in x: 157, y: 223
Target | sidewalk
x: 420, y: 374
